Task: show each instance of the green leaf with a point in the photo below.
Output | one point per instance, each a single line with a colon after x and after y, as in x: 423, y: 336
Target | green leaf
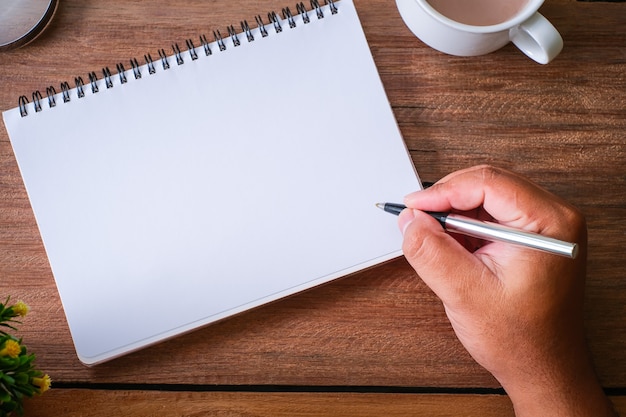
x: 4, y: 397
x: 22, y: 378
x: 10, y: 406
x: 8, y: 379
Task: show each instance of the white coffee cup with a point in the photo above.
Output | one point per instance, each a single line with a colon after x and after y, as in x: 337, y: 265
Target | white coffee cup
x: 532, y: 33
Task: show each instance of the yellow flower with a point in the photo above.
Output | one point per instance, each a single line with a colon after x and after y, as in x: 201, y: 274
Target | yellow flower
x: 42, y: 383
x: 11, y: 348
x: 21, y: 308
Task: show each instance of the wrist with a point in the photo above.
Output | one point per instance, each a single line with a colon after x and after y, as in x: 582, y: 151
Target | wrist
x: 575, y: 392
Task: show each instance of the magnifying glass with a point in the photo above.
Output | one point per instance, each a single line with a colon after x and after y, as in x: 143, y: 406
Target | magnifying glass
x: 21, y: 21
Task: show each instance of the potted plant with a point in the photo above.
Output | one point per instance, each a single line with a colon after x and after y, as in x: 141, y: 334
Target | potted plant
x: 18, y: 377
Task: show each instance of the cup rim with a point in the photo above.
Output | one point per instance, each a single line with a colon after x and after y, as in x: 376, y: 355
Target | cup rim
x: 530, y: 9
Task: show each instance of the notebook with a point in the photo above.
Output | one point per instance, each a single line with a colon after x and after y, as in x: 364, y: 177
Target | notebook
x: 186, y: 187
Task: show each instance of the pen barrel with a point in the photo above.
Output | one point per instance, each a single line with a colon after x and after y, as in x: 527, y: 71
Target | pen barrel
x: 392, y: 208
x: 497, y: 232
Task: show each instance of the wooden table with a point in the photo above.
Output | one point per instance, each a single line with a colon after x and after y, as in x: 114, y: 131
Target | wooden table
x: 377, y: 342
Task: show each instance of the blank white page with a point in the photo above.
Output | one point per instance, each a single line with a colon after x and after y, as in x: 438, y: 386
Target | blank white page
x: 195, y: 193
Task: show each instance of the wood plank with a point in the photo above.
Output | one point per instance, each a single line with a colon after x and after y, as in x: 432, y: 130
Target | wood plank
x: 77, y: 403
x: 562, y: 124
x: 95, y: 403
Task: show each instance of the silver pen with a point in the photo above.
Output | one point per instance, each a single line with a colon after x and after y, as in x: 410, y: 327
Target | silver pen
x: 493, y: 231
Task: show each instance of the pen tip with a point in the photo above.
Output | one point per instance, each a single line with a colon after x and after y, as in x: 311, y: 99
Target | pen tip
x: 380, y: 205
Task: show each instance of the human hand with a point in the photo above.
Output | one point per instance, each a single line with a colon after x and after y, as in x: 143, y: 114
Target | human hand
x: 519, y: 312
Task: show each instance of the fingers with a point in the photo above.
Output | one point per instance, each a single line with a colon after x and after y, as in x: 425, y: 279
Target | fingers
x: 495, y: 189
x: 446, y: 267
x: 453, y: 271
x: 507, y: 197
x: 517, y: 311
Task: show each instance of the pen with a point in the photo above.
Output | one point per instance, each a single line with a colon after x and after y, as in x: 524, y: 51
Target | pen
x: 493, y: 231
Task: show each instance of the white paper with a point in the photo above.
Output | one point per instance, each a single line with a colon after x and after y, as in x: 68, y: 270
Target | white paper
x: 198, y: 192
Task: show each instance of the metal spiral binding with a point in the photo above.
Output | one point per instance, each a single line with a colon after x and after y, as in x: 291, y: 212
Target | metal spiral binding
x: 246, y: 29
x: 164, y: 62
x: 51, y: 92
x: 65, y: 91
x: 37, y: 100
x: 80, y: 86
x: 150, y: 64
x: 106, y: 73
x: 178, y: 54
x: 233, y: 35
x: 220, y: 42
x: 192, y: 49
x: 261, y: 26
x: 136, y: 70
x: 93, y: 81
x: 205, y: 45
x: 274, y: 22
x: 121, y: 71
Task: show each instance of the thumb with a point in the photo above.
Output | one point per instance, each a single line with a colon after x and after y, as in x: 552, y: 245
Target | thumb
x: 454, y: 274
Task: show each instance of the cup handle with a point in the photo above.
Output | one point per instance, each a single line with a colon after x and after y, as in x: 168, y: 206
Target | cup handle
x: 537, y: 38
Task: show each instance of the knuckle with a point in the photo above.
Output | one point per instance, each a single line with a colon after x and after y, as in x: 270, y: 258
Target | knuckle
x: 490, y: 173
x: 575, y: 222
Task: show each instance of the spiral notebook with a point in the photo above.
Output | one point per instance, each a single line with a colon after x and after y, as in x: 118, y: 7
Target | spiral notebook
x: 189, y: 186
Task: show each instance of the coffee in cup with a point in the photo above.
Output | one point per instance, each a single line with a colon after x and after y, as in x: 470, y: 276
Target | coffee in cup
x: 477, y: 27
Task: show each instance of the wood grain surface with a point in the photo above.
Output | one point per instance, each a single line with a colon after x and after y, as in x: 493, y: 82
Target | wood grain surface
x: 562, y: 124
x: 74, y: 403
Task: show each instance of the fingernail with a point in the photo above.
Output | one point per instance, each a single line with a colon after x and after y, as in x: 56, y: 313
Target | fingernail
x: 405, y: 219
x: 412, y: 194
x: 408, y: 199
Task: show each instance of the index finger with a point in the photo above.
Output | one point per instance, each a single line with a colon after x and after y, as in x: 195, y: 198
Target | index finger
x: 507, y: 197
